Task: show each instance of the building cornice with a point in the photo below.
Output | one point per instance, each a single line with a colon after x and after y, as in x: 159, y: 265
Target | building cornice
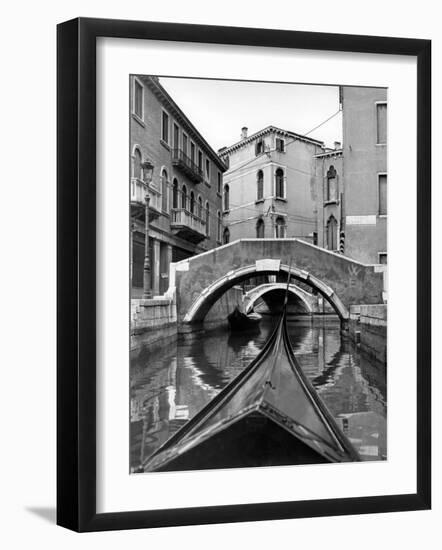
x: 266, y: 131
x: 153, y: 83
x: 332, y: 153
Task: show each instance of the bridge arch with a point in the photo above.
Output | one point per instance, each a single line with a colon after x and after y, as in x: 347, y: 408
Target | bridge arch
x: 253, y: 295
x: 201, y: 306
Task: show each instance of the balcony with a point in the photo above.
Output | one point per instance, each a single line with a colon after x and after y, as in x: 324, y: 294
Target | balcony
x: 186, y: 165
x: 187, y: 225
x: 138, y: 190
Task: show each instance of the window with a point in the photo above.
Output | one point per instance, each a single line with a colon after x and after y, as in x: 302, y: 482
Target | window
x: 259, y: 147
x: 381, y: 123
x: 200, y: 160
x: 164, y: 190
x: 176, y: 136
x: 332, y: 233
x: 219, y: 183
x: 192, y: 152
x: 280, y: 228
x: 165, y: 127
x: 226, y: 236
x: 137, y: 165
x: 227, y: 161
x: 331, y: 191
x: 382, y: 182
x: 280, y: 145
x: 382, y: 258
x: 218, y: 232
x: 279, y: 184
x: 207, y: 218
x: 226, y: 197
x: 192, y: 202
x: 175, y: 193
x: 260, y: 229
x: 138, y: 99
x: 208, y: 169
x: 200, y: 208
x: 260, y: 185
x: 184, y: 198
x: 184, y: 143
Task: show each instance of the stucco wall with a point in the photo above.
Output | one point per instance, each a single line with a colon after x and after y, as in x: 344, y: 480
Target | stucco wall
x: 364, y: 159
x: 299, y: 206
x: 147, y: 136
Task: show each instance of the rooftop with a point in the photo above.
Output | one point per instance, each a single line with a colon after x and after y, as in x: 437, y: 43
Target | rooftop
x: 265, y: 131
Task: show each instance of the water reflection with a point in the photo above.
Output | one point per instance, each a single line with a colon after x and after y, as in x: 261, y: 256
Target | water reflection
x: 169, y: 386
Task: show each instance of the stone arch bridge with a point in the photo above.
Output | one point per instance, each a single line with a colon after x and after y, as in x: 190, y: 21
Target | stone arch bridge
x: 201, y: 280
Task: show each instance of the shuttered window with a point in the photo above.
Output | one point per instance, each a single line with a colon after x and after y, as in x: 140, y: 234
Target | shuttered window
x: 280, y: 145
x: 165, y: 128
x: 137, y: 164
x: 260, y: 185
x: 381, y: 121
x: 279, y: 184
x: 382, y: 194
x: 138, y: 99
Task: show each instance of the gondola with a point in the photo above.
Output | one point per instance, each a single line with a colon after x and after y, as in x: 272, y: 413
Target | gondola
x: 268, y: 415
x: 242, y: 321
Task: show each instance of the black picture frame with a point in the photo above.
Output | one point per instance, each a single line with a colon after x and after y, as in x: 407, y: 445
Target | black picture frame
x: 76, y: 274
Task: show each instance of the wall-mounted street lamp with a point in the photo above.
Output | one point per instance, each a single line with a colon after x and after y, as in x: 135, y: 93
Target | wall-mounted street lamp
x: 147, y: 167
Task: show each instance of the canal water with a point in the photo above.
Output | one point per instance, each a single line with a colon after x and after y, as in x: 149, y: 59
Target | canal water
x: 171, y: 384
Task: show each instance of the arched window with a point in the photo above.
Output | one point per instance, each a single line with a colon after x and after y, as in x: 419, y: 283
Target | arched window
x: 175, y: 193
x: 184, y: 198
x: 137, y: 164
x: 279, y: 184
x: 192, y: 202
x: 207, y: 218
x: 200, y: 208
x: 218, y: 231
x: 226, y: 197
x: 332, y: 188
x: 332, y: 233
x: 280, y: 228
x: 164, y: 190
x: 260, y: 229
x: 260, y: 185
x: 226, y: 235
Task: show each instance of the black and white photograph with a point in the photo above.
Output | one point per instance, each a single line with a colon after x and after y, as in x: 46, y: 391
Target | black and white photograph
x: 258, y: 273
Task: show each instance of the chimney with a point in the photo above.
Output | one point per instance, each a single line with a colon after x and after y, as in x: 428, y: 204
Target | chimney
x: 337, y: 144
x: 244, y: 132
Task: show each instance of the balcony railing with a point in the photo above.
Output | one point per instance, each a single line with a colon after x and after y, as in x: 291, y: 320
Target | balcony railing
x: 187, y: 166
x: 188, y: 225
x: 138, y: 190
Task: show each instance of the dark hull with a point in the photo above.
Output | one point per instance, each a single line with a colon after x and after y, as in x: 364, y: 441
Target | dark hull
x: 268, y: 415
x: 241, y: 321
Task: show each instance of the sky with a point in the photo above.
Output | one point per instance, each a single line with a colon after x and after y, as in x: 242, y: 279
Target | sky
x: 220, y: 108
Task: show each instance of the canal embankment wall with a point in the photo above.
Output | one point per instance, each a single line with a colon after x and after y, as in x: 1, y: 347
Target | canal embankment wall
x: 152, y: 321
x: 368, y: 328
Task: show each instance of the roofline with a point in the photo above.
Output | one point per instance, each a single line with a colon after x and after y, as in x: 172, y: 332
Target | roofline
x: 332, y: 153
x: 267, y: 130
x: 155, y: 85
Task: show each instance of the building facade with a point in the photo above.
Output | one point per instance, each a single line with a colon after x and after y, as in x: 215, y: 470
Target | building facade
x: 185, y: 189
x: 364, y: 115
x: 270, y: 189
x: 330, y: 191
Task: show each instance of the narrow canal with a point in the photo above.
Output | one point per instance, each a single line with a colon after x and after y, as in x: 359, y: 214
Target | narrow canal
x: 170, y: 385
